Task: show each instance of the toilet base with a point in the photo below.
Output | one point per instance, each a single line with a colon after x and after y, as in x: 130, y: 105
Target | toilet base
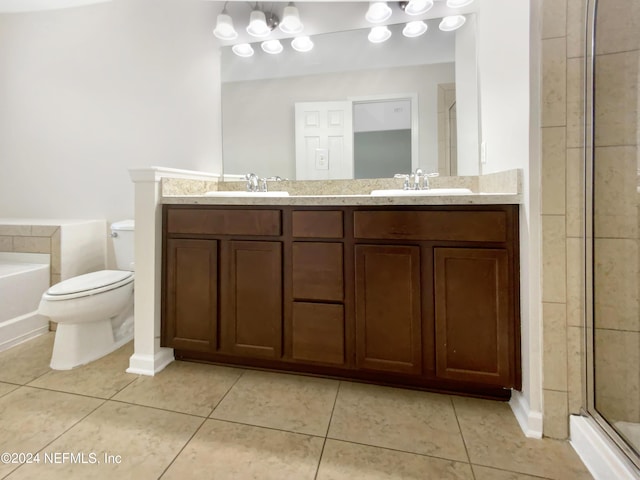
x: 80, y: 343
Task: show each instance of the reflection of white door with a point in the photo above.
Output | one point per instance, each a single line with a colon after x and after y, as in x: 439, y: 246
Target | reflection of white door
x: 324, y: 140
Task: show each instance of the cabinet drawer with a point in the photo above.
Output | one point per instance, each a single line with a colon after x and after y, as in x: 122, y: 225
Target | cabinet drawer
x: 318, y: 271
x: 318, y: 332
x: 440, y: 225
x: 318, y: 224
x: 224, y: 222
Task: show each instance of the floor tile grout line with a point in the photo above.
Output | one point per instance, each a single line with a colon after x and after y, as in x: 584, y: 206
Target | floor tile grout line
x: 226, y: 393
x: 204, y: 420
x: 161, y: 409
x: 399, y: 451
x: 324, y: 442
x: 127, y: 385
x: 104, y: 401
x: 464, y: 442
x: 49, y: 389
x: 510, y: 471
x: 236, y: 422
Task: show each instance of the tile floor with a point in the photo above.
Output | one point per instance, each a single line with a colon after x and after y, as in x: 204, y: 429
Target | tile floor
x: 204, y: 421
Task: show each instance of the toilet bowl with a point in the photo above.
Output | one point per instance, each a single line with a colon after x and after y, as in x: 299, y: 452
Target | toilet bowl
x: 94, y: 311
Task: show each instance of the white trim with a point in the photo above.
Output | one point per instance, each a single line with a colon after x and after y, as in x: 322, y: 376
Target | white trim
x: 597, y: 452
x: 150, y: 364
x: 530, y: 421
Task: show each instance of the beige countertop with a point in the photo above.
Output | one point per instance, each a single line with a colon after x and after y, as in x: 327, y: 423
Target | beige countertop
x: 349, y: 200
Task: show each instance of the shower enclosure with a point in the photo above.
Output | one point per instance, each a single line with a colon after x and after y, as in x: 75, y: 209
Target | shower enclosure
x: 612, y: 221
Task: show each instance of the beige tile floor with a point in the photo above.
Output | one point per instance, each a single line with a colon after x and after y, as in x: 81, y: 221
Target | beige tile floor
x: 203, y: 421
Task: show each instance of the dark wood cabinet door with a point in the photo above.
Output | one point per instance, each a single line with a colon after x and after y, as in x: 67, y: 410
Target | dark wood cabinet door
x: 388, y: 315
x: 474, y: 334
x: 251, y: 311
x: 191, y: 295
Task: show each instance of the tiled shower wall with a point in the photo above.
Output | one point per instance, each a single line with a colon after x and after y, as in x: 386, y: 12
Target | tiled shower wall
x: 563, y: 47
x: 617, y: 325
x: 616, y: 217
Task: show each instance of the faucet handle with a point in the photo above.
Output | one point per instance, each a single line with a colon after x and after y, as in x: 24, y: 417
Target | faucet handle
x: 406, y: 177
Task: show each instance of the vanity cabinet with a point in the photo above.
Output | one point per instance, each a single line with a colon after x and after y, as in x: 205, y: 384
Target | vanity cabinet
x: 420, y: 296
x: 222, y: 281
x: 388, y: 312
x: 190, y: 320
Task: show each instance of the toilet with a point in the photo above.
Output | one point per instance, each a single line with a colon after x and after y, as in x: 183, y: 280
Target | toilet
x: 94, y: 312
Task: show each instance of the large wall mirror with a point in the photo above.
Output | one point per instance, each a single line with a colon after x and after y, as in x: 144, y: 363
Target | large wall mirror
x: 401, y: 104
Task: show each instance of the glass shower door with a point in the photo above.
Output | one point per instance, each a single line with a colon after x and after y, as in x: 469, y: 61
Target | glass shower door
x: 615, y: 222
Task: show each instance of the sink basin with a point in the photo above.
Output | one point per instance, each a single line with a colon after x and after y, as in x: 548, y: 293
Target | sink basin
x: 429, y: 192
x: 240, y: 193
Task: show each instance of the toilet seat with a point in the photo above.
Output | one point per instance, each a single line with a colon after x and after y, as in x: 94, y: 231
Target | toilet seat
x: 89, y: 284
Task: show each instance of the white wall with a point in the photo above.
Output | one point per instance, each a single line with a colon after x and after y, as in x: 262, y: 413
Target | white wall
x: 467, y: 101
x: 258, y: 116
x: 508, y: 44
x: 86, y: 93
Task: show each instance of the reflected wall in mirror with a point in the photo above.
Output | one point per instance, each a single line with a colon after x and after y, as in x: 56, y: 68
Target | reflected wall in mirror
x: 259, y: 95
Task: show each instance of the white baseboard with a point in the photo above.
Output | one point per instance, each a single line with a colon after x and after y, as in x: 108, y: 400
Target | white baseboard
x: 598, y: 452
x: 150, y: 364
x: 530, y: 422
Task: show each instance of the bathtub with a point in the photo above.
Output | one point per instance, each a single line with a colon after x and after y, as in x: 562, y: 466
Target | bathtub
x: 24, y: 277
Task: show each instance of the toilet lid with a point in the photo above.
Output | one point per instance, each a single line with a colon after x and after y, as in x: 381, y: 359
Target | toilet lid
x: 91, y: 281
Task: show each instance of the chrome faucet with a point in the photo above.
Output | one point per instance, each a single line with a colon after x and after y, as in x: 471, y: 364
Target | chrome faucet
x: 252, y: 182
x: 417, y: 184
x: 417, y: 175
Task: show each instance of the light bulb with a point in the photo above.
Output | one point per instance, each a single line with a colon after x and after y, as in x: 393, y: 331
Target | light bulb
x: 458, y: 3
x: 418, y: 7
x: 291, y: 23
x: 378, y: 12
x: 414, y: 29
x: 224, y: 27
x: 272, y: 46
x: 453, y: 22
x: 379, y: 34
x: 258, y: 24
x: 302, y: 44
x: 243, y: 50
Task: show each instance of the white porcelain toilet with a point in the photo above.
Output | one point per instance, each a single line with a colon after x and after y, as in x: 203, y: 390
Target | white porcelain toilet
x: 94, y: 312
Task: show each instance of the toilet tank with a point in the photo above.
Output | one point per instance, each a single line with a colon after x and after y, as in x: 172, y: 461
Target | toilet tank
x: 122, y: 236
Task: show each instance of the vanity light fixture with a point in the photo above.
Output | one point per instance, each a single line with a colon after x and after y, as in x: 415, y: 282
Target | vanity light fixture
x: 416, y: 7
x: 458, y: 3
x: 291, y: 23
x: 378, y: 12
x: 243, y: 50
x: 302, y: 44
x: 379, y: 34
x: 414, y: 29
x: 259, y: 26
x: 224, y: 27
x: 452, y: 22
x: 272, y: 46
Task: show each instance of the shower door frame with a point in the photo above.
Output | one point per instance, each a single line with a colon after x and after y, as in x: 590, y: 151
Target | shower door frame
x: 588, y: 370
